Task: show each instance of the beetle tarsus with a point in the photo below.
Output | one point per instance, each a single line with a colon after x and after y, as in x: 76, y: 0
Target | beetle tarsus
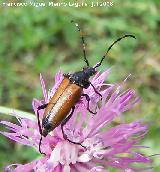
x: 66, y: 138
x: 76, y: 143
x: 40, y: 146
x: 96, y: 91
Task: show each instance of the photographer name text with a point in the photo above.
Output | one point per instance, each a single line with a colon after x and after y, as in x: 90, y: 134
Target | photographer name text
x: 57, y: 4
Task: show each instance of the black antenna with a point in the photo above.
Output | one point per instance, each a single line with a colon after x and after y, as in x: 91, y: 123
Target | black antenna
x: 83, y: 42
x: 98, y: 64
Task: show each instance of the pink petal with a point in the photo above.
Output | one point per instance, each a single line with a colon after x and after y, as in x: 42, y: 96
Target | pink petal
x: 43, y: 88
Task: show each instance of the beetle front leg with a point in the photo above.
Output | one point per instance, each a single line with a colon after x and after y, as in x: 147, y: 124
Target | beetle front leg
x: 63, y: 124
x: 96, y: 90
x: 88, y: 100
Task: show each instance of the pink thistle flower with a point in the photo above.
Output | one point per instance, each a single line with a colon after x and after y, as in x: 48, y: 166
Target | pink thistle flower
x: 112, y: 147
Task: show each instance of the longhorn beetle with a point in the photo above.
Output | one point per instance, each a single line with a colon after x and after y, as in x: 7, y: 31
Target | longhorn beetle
x: 68, y: 94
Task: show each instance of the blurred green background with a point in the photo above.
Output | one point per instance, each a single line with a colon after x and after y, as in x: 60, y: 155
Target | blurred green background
x: 42, y: 40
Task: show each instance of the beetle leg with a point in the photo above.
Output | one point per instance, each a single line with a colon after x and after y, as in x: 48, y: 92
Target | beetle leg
x: 88, y: 100
x: 63, y: 124
x: 38, y: 109
x: 42, y: 106
x: 65, y: 121
x: 39, y: 125
x: 96, y: 91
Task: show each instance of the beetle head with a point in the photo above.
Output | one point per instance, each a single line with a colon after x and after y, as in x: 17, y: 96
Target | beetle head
x: 89, y: 71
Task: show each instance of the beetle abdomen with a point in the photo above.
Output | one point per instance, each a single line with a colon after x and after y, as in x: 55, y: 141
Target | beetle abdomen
x: 62, y: 101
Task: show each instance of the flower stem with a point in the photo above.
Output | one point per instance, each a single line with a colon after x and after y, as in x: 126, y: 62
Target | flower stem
x: 22, y: 114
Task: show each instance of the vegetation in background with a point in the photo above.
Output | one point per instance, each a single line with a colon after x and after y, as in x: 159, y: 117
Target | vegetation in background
x: 42, y: 40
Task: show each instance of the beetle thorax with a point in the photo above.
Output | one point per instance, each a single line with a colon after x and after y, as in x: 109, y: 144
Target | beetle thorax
x: 89, y: 71
x: 81, y: 78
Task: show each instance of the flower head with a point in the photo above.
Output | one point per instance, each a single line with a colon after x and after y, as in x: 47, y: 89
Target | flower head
x: 105, y: 146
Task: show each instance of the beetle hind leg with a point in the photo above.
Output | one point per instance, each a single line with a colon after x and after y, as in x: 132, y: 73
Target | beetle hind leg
x: 63, y: 124
x: 66, y: 138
